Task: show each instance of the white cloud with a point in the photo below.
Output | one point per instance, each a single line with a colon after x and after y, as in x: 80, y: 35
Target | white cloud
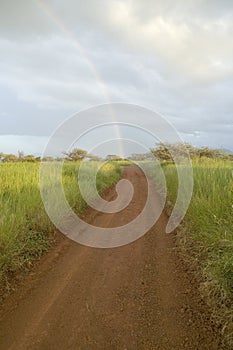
x: 176, y: 58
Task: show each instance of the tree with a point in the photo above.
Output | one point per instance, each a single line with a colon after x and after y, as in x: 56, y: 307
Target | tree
x: 10, y: 158
x: 165, y: 151
x: 112, y: 157
x: 161, y: 151
x: 211, y: 153
x: 94, y: 158
x: 47, y: 159
x: 30, y: 158
x: 76, y: 154
x: 141, y: 156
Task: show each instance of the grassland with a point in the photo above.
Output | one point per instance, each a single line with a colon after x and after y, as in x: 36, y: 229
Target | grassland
x: 25, y: 229
x: 206, y: 235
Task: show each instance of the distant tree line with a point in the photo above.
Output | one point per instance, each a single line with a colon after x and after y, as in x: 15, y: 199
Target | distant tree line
x: 76, y: 154
x: 9, y: 157
x: 164, y: 151
x: 161, y: 151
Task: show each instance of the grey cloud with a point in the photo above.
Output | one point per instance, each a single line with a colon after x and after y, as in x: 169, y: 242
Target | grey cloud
x: 151, y: 53
x: 23, y: 19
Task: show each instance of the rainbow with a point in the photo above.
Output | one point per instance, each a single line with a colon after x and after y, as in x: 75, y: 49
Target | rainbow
x: 47, y: 11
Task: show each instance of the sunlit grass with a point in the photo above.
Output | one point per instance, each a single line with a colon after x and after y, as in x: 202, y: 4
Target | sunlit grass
x: 209, y: 217
x: 207, y: 230
x: 25, y: 229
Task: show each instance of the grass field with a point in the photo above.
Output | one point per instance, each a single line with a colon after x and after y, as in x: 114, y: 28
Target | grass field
x: 25, y: 229
x: 205, y: 236
x: 207, y: 231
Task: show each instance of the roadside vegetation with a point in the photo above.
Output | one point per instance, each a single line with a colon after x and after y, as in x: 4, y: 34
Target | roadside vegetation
x: 205, y: 238
x: 25, y: 229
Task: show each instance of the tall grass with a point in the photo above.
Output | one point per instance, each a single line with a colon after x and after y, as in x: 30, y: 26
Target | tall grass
x: 207, y: 232
x: 25, y: 229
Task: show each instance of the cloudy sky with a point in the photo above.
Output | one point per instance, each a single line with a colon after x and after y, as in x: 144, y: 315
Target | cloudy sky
x: 59, y: 57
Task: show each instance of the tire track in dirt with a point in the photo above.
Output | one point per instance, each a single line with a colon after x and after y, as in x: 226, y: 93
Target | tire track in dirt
x: 139, y: 296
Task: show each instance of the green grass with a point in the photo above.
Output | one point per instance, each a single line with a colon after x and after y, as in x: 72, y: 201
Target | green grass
x: 25, y: 229
x: 207, y: 231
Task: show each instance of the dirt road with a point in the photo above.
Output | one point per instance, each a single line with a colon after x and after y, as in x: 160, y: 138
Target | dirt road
x: 139, y: 296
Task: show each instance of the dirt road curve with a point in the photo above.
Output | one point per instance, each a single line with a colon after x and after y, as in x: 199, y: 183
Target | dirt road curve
x: 139, y: 296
